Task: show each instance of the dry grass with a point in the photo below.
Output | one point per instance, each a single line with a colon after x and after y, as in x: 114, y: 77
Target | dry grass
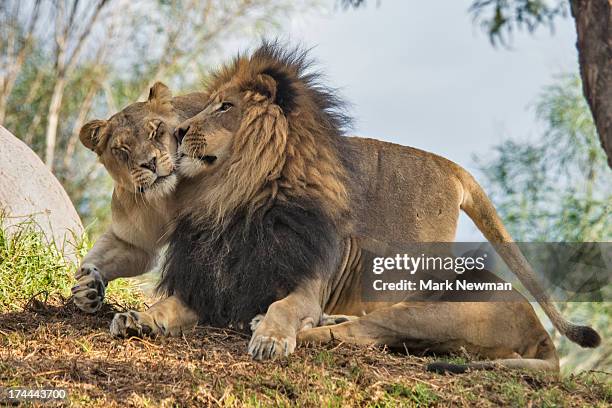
x: 49, y: 343
x: 54, y: 345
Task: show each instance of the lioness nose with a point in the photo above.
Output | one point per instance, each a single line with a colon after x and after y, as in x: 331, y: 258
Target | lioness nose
x: 180, y: 133
x: 150, y: 165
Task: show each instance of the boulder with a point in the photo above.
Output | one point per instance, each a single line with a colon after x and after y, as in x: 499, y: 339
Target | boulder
x: 28, y: 190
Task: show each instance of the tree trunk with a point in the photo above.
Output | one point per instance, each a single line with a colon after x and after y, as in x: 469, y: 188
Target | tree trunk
x: 74, y: 137
x: 53, y: 120
x: 594, y: 28
x: 3, y: 103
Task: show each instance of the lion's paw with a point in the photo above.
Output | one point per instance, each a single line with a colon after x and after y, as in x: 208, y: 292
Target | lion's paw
x: 132, y: 324
x: 256, y: 321
x: 270, y: 347
x: 89, y: 291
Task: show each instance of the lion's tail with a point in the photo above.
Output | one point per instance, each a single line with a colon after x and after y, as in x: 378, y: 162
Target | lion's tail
x: 479, y: 208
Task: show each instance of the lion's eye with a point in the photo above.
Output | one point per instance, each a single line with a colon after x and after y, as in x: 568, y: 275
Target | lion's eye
x: 121, y: 153
x: 156, y: 128
x: 225, y: 106
x: 160, y: 129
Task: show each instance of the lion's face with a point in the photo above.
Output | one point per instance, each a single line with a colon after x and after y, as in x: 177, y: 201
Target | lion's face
x: 205, y: 140
x: 137, y: 146
x: 266, y: 133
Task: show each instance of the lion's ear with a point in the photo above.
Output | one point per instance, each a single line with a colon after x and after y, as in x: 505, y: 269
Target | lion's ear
x: 279, y: 88
x: 266, y: 86
x: 91, y: 133
x: 160, y: 93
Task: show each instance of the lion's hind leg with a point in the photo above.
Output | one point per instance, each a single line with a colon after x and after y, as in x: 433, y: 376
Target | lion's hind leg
x: 448, y: 327
x: 168, y: 317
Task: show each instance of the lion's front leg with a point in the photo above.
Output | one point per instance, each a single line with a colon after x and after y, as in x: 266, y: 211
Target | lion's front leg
x: 88, y: 293
x: 267, y: 346
x: 168, y: 317
x: 109, y: 259
x: 275, y: 335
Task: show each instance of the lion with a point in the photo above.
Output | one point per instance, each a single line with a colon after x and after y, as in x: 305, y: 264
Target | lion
x: 137, y: 148
x: 270, y: 213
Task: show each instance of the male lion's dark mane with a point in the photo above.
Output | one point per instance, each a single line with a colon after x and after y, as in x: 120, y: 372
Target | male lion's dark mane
x: 231, y: 271
x: 230, y: 278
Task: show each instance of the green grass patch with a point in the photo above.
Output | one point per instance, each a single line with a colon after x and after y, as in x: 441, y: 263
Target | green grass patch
x: 325, y: 358
x: 31, y: 266
x: 419, y: 394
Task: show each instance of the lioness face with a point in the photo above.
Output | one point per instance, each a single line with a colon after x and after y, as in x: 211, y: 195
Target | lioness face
x: 136, y: 145
x: 205, y: 140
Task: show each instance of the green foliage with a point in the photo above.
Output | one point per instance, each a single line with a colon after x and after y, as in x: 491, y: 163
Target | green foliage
x: 131, y: 45
x: 501, y: 18
x: 419, y: 395
x: 27, y: 110
x: 352, y: 3
x: 557, y: 189
x: 30, y: 265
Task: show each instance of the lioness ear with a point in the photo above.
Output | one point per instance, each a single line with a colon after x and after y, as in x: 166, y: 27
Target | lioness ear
x: 91, y: 132
x: 160, y: 92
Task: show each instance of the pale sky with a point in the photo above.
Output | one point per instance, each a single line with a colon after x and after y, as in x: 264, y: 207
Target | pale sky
x: 420, y: 73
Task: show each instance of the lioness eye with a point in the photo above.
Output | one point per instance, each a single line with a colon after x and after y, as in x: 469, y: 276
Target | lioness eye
x: 156, y: 126
x: 122, y: 154
x: 159, y: 129
x: 225, y: 106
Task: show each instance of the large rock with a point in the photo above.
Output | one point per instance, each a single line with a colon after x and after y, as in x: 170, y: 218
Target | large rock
x: 29, y: 190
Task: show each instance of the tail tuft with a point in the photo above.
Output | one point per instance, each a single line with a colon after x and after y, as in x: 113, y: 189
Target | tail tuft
x: 584, y: 336
x: 443, y: 368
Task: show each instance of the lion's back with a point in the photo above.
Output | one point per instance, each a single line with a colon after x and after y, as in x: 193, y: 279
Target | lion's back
x: 402, y: 194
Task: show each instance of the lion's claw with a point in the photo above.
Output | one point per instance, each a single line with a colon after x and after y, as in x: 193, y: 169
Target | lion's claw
x: 89, y: 291
x: 130, y: 324
x: 263, y: 347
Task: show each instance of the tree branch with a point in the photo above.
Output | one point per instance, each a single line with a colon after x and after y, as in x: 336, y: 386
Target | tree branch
x: 71, y: 62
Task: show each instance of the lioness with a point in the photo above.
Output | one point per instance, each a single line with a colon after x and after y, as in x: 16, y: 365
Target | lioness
x: 137, y: 148
x: 267, y: 218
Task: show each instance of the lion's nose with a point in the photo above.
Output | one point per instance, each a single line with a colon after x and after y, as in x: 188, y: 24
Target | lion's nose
x: 180, y: 133
x: 150, y: 165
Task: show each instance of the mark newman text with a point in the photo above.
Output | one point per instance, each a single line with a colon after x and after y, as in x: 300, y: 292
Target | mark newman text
x: 458, y: 284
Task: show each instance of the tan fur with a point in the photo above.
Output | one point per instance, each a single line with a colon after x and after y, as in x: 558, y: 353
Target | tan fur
x: 141, y: 202
x: 168, y: 317
x: 421, y: 194
x: 261, y: 156
x: 507, y: 332
x: 302, y: 165
x: 396, y: 194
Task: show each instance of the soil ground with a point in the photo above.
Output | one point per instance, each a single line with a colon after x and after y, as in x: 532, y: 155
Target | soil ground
x: 52, y: 344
